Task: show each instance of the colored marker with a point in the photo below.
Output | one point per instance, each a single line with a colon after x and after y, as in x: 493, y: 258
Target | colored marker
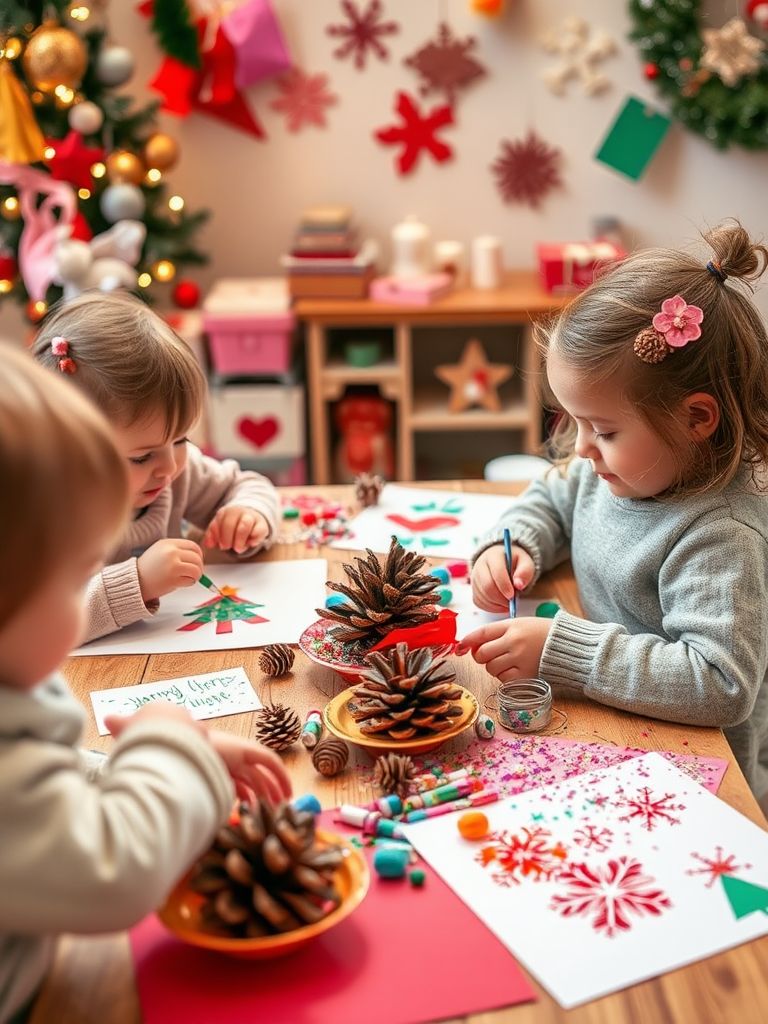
x: 485, y: 796
x: 508, y: 558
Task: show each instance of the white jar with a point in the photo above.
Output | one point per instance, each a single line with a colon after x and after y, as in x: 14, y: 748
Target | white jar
x: 486, y: 262
x: 410, y: 249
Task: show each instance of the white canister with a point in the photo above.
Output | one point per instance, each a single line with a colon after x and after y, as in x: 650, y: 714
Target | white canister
x: 486, y: 262
x: 410, y: 249
x: 449, y: 259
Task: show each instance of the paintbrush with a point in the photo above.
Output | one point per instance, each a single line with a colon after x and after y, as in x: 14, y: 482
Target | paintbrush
x: 508, y: 559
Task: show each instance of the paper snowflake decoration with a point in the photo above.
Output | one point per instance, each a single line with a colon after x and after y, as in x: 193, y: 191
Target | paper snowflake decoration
x: 593, y: 837
x: 526, y: 170
x: 527, y: 854
x: 580, y: 51
x: 362, y: 32
x: 417, y: 133
x: 648, y: 810
x: 716, y: 866
x: 609, y: 894
x: 304, y: 99
x: 731, y: 52
x: 445, y: 63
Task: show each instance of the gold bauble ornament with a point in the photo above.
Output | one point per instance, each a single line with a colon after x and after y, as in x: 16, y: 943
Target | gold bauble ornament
x: 161, y: 151
x: 54, y: 56
x: 163, y: 271
x: 123, y: 166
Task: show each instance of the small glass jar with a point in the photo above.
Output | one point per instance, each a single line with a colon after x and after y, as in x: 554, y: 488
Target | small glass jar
x: 525, y: 705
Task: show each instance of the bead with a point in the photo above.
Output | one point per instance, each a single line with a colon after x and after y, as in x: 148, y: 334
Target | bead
x: 308, y: 802
x: 458, y: 570
x: 417, y: 878
x: 485, y: 728
x: 440, y: 573
x: 547, y: 610
x: 390, y: 863
x: 445, y: 596
x: 290, y: 513
x: 333, y: 599
x: 308, y: 518
x: 473, y: 825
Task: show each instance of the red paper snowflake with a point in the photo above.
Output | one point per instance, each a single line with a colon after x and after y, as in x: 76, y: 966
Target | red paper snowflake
x: 362, y: 32
x: 649, y: 810
x: 608, y: 894
x: 445, y: 64
x: 530, y: 854
x: 304, y: 99
x: 593, y: 837
x: 417, y: 132
x: 526, y: 170
x: 716, y: 866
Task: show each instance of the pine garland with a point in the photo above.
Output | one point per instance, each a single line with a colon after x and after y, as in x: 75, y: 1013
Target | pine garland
x: 176, y: 34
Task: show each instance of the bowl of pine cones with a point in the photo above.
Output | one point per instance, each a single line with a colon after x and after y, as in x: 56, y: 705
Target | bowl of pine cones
x: 270, y: 883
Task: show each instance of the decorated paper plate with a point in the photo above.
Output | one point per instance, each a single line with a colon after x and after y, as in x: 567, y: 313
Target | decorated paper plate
x: 339, y: 721
x: 181, y: 913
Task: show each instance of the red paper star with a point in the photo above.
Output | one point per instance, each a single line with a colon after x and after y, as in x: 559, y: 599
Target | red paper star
x: 526, y: 170
x: 72, y: 160
x: 445, y: 64
x: 362, y: 32
x: 417, y: 133
x: 304, y: 99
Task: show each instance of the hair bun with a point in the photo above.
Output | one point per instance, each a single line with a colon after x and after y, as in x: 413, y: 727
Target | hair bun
x: 735, y: 252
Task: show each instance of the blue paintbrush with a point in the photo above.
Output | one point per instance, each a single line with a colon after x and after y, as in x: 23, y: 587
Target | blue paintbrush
x: 508, y: 557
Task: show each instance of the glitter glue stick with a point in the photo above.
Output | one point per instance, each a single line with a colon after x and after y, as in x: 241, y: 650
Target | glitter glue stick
x: 451, y: 791
x: 376, y: 825
x: 389, y: 805
x: 349, y: 814
x: 312, y: 729
x: 485, y: 796
x: 426, y: 782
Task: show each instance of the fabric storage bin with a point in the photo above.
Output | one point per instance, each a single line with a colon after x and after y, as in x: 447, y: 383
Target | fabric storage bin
x: 257, y: 421
x: 249, y: 326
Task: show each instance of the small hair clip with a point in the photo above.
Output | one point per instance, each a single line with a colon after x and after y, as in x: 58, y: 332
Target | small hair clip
x: 676, y: 325
x: 717, y: 271
x: 60, y: 349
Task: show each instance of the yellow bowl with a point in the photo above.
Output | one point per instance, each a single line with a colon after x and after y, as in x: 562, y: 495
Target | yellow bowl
x: 340, y: 722
x: 181, y: 912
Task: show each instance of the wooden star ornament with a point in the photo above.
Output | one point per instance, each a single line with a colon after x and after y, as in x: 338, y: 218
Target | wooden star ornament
x: 473, y: 380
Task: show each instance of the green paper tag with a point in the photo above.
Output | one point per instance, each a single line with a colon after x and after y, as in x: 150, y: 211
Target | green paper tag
x: 744, y: 897
x: 633, y: 138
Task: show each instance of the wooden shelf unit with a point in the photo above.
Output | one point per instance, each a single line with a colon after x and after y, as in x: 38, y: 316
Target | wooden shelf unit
x: 518, y: 303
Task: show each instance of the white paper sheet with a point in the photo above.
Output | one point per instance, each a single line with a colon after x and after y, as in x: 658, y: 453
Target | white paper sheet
x: 469, y: 616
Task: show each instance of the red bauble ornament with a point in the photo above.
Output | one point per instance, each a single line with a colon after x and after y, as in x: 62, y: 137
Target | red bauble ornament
x: 9, y: 268
x: 186, y: 294
x: 651, y: 71
x: 757, y: 12
x: 36, y: 310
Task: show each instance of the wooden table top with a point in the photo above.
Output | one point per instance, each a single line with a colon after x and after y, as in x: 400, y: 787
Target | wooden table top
x: 92, y: 979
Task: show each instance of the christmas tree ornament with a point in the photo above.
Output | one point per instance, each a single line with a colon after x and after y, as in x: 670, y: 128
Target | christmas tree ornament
x: 633, y: 138
x: 393, y: 773
x: 473, y: 380
x: 731, y: 52
x: 10, y: 208
x: 368, y: 488
x: 580, y: 52
x: 186, y: 294
x: 124, y: 166
x: 276, y: 659
x: 54, y: 56
x: 445, y: 64
x: 651, y: 71
x: 330, y: 756
x: 277, y: 726
x: 85, y: 118
x: 527, y: 170
x: 405, y: 694
x: 161, y: 151
x: 416, y: 133
x: 69, y: 159
x: 756, y: 11
x: 35, y: 310
x: 266, y: 874
x: 258, y: 43
x: 106, y: 262
x: 362, y: 33
x: 122, y: 202
x: 9, y: 268
x: 21, y: 141
x: 114, y: 65
x: 165, y: 271
x: 303, y: 99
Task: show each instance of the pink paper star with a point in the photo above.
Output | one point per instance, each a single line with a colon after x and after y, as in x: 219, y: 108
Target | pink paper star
x: 304, y: 99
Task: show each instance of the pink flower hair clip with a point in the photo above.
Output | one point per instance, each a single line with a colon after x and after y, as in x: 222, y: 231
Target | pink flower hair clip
x: 60, y: 349
x: 676, y: 325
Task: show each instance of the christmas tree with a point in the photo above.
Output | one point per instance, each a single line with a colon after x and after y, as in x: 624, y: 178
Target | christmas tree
x: 223, y: 610
x: 744, y: 897
x: 80, y: 162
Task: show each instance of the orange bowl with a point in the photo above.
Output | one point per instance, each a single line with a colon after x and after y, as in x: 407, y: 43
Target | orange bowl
x: 181, y: 912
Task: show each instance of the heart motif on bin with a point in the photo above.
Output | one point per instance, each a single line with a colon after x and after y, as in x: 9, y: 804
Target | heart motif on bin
x: 258, y: 432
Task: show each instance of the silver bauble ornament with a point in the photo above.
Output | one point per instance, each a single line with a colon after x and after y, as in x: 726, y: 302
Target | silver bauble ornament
x: 122, y: 202
x: 85, y: 118
x: 114, y: 65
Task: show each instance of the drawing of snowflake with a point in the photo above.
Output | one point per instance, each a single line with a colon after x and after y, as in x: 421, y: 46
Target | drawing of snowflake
x: 650, y: 810
x: 716, y: 865
x: 526, y: 170
x: 445, y: 64
x: 529, y: 854
x: 593, y: 837
x: 304, y: 99
x: 362, y: 32
x: 417, y: 132
x: 580, y: 51
x: 608, y: 894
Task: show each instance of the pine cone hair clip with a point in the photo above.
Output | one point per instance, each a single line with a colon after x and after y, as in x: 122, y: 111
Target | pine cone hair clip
x: 676, y: 325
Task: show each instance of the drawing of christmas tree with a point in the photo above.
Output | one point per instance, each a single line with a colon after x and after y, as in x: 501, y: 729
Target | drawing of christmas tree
x: 223, y: 609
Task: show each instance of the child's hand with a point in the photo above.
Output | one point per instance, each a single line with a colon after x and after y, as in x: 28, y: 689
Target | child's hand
x: 161, y: 710
x: 236, y: 529
x: 167, y: 565
x: 509, y: 648
x: 254, y: 768
x: 491, y: 586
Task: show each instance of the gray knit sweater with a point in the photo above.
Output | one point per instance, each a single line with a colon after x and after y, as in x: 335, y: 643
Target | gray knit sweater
x: 676, y: 598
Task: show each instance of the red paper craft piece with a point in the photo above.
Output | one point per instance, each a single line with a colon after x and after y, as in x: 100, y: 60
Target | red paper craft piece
x: 304, y: 99
x: 362, y: 32
x: 417, y: 132
x: 73, y: 160
x: 422, y: 525
x: 440, y: 632
x: 445, y: 64
x: 258, y: 432
x: 526, y: 171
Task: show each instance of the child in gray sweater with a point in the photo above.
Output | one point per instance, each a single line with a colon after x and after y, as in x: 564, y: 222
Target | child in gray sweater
x: 659, y: 372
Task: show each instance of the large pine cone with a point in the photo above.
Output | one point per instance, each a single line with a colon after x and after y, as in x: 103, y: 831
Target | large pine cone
x: 276, y: 659
x: 266, y: 874
x: 381, y: 598
x: 277, y: 726
x: 368, y: 489
x: 405, y: 694
x: 393, y: 774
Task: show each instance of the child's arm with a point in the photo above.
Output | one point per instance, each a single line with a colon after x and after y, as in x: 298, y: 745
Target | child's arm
x: 113, y: 600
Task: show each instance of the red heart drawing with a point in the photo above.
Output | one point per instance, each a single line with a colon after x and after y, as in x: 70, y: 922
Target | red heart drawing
x: 258, y: 432
x: 422, y: 525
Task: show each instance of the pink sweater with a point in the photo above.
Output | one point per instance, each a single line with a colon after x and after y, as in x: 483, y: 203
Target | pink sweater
x: 113, y: 597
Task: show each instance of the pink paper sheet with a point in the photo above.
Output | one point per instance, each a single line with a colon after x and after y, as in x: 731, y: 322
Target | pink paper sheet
x: 405, y: 956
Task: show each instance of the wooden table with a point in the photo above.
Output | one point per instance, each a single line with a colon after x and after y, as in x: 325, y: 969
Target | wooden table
x: 92, y: 980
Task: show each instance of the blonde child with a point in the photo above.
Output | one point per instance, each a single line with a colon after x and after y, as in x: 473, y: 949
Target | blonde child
x: 86, y: 847
x: 147, y: 381
x: 660, y: 373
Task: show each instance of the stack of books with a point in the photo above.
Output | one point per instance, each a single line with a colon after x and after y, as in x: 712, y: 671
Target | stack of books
x: 326, y: 260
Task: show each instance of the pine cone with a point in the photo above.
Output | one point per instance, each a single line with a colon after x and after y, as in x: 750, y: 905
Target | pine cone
x: 651, y: 346
x: 330, y: 756
x: 393, y: 773
x: 267, y: 874
x: 368, y: 489
x: 381, y: 598
x: 406, y: 693
x: 276, y: 659
x: 277, y: 726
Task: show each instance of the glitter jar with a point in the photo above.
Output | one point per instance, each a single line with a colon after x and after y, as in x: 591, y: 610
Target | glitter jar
x: 525, y: 705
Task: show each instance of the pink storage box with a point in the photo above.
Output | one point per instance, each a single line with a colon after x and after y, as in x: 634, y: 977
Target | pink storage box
x: 570, y: 266
x: 249, y: 326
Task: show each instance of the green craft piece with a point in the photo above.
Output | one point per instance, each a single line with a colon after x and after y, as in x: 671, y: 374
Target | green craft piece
x: 290, y: 513
x: 362, y: 353
x: 417, y: 878
x: 744, y: 897
x: 547, y: 610
x: 433, y: 542
x: 633, y: 138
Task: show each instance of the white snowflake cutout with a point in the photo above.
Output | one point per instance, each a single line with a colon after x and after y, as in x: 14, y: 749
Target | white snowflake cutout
x: 580, y: 50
